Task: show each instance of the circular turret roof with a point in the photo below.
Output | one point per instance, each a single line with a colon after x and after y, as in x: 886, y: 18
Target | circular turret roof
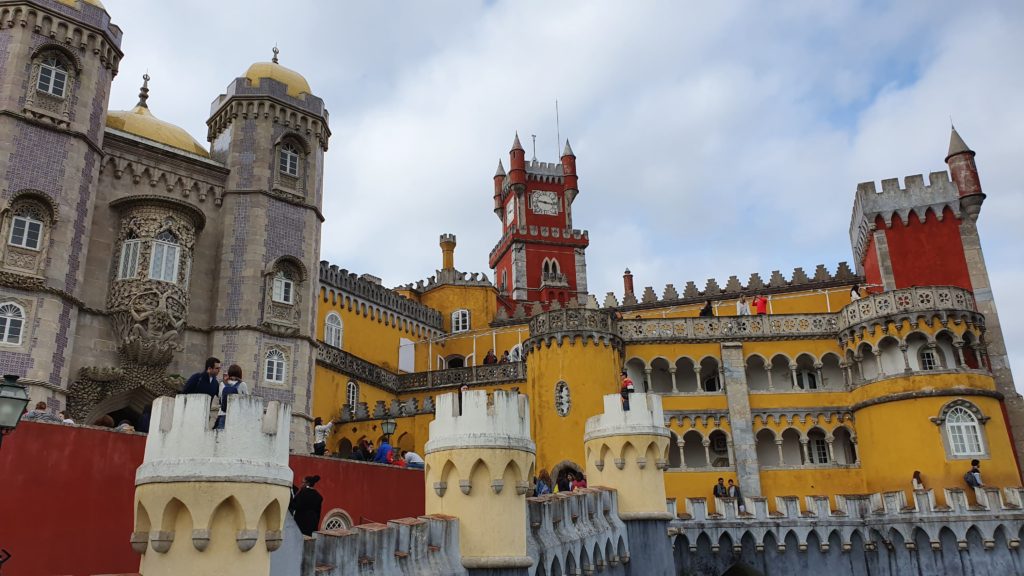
x: 295, y: 82
x: 141, y: 122
x: 74, y: 3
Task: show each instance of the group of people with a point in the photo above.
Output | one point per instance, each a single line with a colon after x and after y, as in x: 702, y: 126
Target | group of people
x: 759, y: 305
x: 206, y: 382
x: 490, y: 358
x: 732, y: 490
x: 41, y: 413
x: 568, y: 481
x: 364, y: 450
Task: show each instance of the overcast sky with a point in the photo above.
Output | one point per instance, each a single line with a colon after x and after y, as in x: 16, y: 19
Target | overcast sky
x: 712, y: 138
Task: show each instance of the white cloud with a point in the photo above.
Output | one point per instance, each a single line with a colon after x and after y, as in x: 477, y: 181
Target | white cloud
x: 712, y: 140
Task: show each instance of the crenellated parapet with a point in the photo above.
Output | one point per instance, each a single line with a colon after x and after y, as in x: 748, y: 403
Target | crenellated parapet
x: 939, y: 194
x: 577, y: 532
x: 214, y: 500
x: 364, y: 292
x: 557, y: 325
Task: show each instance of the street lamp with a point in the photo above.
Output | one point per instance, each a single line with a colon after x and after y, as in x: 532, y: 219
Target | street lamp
x: 13, y: 399
x: 388, y: 427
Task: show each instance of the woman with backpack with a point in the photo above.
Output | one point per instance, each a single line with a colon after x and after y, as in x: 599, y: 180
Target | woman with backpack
x: 233, y: 384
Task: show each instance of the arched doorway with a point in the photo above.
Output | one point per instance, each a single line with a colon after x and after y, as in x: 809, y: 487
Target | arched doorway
x: 558, y: 471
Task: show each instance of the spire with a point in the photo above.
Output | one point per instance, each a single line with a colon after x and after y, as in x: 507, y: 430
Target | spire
x: 276, y: 52
x: 144, y: 91
x: 516, y: 145
x: 501, y: 169
x: 568, y: 149
x: 956, y: 144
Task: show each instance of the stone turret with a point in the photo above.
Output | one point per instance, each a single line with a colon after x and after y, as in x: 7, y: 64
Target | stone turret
x: 212, y: 501
x: 627, y: 450
x: 479, y: 462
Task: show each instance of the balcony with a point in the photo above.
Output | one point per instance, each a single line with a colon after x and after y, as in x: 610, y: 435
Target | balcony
x: 782, y: 326
x: 910, y: 304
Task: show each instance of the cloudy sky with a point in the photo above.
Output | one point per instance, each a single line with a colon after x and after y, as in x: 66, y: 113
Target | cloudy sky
x: 713, y: 138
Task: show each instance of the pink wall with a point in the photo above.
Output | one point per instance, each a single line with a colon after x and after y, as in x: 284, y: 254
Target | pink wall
x: 66, y: 497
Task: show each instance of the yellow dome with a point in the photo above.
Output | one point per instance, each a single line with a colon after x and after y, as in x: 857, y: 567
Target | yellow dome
x: 293, y: 80
x: 74, y: 3
x: 141, y: 122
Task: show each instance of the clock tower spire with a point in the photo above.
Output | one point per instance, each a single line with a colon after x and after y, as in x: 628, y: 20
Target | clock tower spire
x: 539, y: 257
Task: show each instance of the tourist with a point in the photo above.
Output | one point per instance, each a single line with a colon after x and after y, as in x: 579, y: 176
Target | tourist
x: 564, y: 483
x: 233, y: 384
x: 105, y: 421
x: 462, y: 392
x: 365, y: 450
x: 306, y: 505
x: 760, y: 304
x: 505, y: 358
x: 707, y: 310
x: 63, y: 418
x: 490, y: 358
x: 124, y: 426
x: 855, y: 293
x: 734, y: 492
x: 413, y: 460
x: 399, y: 460
x: 719, y: 490
x: 143, y: 424
x: 543, y: 485
x: 626, y: 390
x: 580, y: 482
x: 320, y: 433
x: 385, y: 454
x: 40, y: 414
x: 205, y: 382
x: 973, y: 476
x: 742, y: 308
x: 916, y: 481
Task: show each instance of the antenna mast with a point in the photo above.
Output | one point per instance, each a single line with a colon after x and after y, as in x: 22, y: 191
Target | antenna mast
x: 558, y: 133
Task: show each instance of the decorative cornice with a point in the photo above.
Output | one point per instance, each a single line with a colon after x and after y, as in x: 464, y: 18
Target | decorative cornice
x: 926, y: 394
x: 281, y: 197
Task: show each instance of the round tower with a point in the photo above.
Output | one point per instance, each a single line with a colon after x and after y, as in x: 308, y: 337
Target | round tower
x: 627, y: 450
x: 479, y: 462
x: 212, y: 501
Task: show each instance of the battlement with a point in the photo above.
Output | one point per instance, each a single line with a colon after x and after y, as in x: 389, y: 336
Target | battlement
x: 373, y: 293
x: 645, y: 416
x: 915, y: 196
x: 544, y: 171
x: 481, y: 420
x: 181, y: 446
x: 539, y: 233
x: 450, y: 277
x: 578, y: 530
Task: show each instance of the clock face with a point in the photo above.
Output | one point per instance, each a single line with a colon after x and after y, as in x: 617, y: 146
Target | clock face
x: 510, y: 212
x: 544, y: 202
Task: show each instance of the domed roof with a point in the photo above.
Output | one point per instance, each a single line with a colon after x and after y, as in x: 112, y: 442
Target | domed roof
x: 293, y: 80
x: 141, y: 122
x: 74, y: 3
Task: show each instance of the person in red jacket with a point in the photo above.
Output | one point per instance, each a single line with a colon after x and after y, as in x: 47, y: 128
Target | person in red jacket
x: 627, y: 389
x: 760, y: 304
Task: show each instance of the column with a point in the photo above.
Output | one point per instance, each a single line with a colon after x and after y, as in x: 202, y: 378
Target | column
x: 696, y: 374
x: 856, y: 451
x: 707, y: 451
x: 672, y: 371
x: 878, y: 360
x: 817, y: 372
x: 831, y: 453
x: 847, y: 374
x: 682, y: 453
x: 958, y: 351
x: 729, y: 452
x: 744, y: 447
x: 857, y: 359
x: 906, y: 359
x: 803, y: 449
x: 778, y: 444
x: 647, y: 379
x: 792, y: 374
x: 768, y: 371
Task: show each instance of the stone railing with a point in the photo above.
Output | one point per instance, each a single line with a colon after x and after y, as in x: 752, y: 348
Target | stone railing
x: 717, y: 328
x: 907, y: 301
x: 485, y: 374
x: 356, y: 367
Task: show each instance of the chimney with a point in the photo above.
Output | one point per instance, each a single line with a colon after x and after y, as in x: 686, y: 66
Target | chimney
x: 627, y: 281
x: 447, y: 251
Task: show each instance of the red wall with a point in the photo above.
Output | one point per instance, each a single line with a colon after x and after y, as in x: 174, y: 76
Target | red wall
x: 872, y: 275
x: 66, y: 496
x: 929, y: 253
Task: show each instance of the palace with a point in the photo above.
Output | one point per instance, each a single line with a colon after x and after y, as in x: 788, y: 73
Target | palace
x: 119, y: 273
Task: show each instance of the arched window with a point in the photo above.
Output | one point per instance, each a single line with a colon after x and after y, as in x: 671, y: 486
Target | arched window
x: 289, y: 160
x: 26, y: 232
x: 53, y: 77
x: 128, y: 267
x: 274, y: 370
x: 12, y: 319
x: 807, y: 379
x: 332, y: 330
x: 352, y: 394
x: 284, y: 287
x: 562, y: 399
x: 163, y: 259
x: 930, y: 358
x: 460, y: 321
x: 817, y: 447
x: 964, y: 432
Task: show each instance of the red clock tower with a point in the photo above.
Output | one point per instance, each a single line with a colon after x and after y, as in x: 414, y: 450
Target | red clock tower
x: 540, y: 257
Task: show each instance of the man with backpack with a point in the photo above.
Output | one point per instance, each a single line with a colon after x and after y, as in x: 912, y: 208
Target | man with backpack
x: 233, y: 384
x: 973, y: 476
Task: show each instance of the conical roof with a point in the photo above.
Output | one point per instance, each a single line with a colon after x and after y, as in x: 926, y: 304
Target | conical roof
x: 956, y: 145
x: 568, y: 149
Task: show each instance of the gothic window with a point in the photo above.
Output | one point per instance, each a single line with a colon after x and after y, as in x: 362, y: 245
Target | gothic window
x: 128, y: 267
x: 26, y: 232
x: 284, y: 287
x: 12, y: 319
x: 332, y: 330
x: 817, y: 447
x: 163, y: 259
x: 562, y: 399
x: 53, y: 77
x: 352, y: 394
x: 274, y: 370
x: 711, y: 384
x: 289, y: 160
x: 460, y: 321
x: 964, y: 432
x: 930, y: 358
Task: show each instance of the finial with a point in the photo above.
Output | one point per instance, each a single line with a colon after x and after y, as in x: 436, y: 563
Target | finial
x: 534, y: 136
x: 276, y: 52
x: 144, y: 91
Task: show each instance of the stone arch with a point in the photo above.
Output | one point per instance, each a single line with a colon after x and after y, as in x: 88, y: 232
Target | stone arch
x: 832, y: 377
x: 767, y: 449
x: 693, y: 450
x: 142, y: 521
x: 175, y: 512
x: 843, y: 446
x: 675, y: 460
x: 710, y: 379
x: 636, y: 369
x: 686, y: 375
x: 661, y: 377
x: 566, y: 466
x: 270, y: 518
x: 757, y: 373
x: 792, y: 453
x: 132, y: 401
x: 867, y: 362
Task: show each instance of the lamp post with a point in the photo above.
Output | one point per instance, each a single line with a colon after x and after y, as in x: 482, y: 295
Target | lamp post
x: 13, y: 399
x: 388, y: 427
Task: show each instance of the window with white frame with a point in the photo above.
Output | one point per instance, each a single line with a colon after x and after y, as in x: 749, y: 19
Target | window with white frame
x: 817, y: 447
x: 807, y: 379
x: 460, y: 321
x: 352, y: 394
x: 964, y: 432
x: 289, y: 160
x: 26, y: 232
x: 284, y: 287
x: 929, y: 358
x: 128, y: 267
x: 332, y: 330
x: 53, y: 77
x: 12, y: 320
x: 274, y: 370
x: 163, y: 259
